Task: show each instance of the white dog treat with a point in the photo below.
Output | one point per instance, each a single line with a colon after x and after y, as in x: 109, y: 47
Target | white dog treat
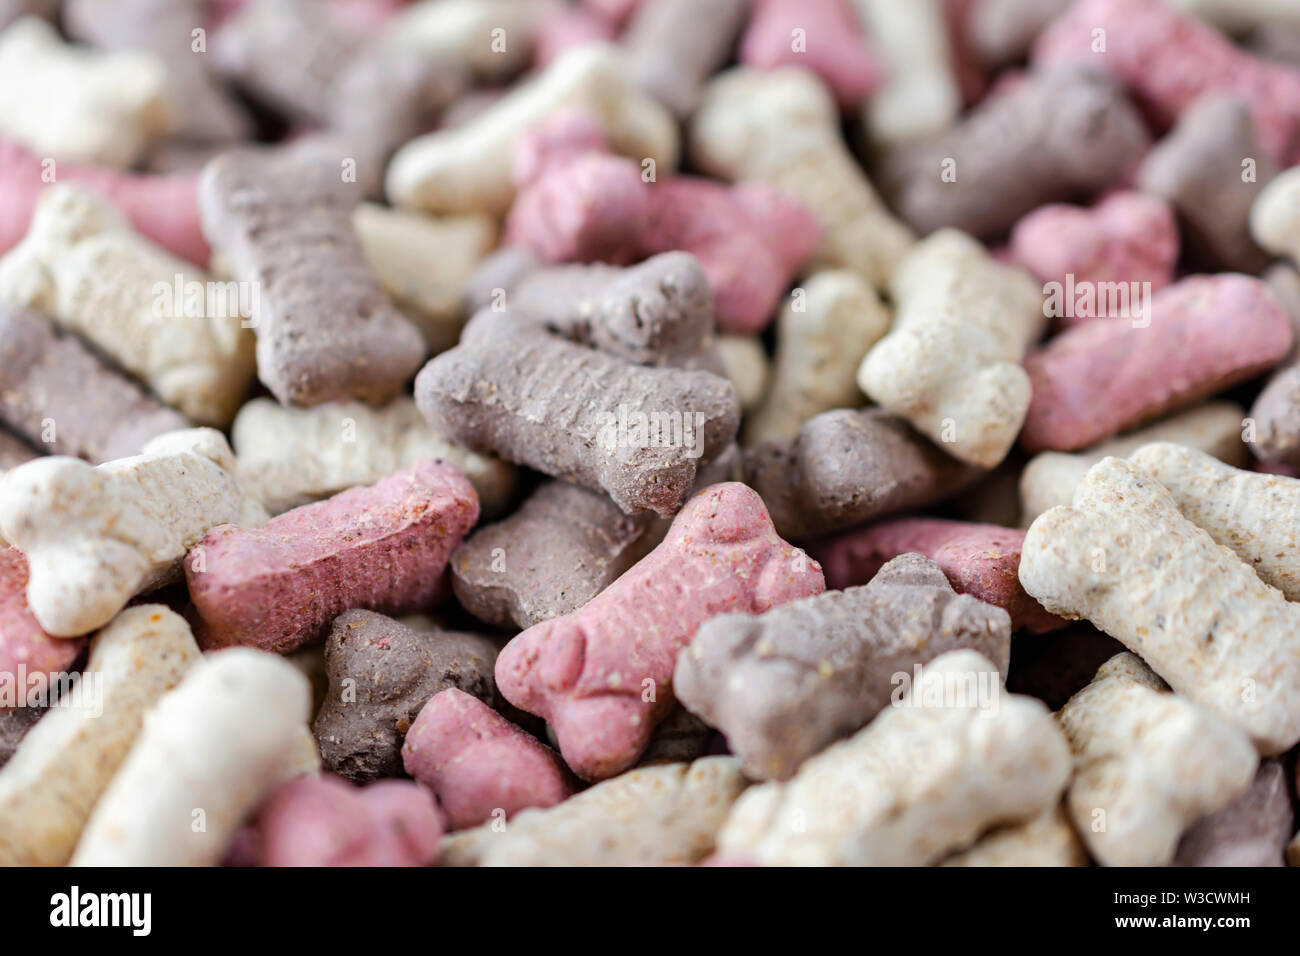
x: 951, y: 364
x: 1046, y: 840
x: 293, y: 456
x: 746, y: 365
x: 920, y: 95
x: 1275, y: 215
x: 1049, y: 479
x: 49, y: 787
x: 1125, y: 558
x: 824, y: 330
x: 96, y: 536
x: 469, y: 168
x: 1242, y: 16
x: 1256, y: 515
x: 494, y: 37
x: 782, y: 127
x: 651, y: 816
x: 210, y: 750
x: 1250, y: 831
x: 424, y: 263
x: 925, y: 778
x: 159, y: 318
x: 1148, y: 764
x: 79, y: 104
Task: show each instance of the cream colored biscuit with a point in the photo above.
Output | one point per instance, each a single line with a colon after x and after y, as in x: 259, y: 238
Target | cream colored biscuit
x: 1046, y: 840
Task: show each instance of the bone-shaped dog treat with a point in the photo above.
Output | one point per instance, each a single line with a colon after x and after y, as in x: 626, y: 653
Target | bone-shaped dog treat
x: 1125, y: 558
x: 62, y: 396
x: 1202, y: 335
x: 602, y: 675
x: 782, y: 128
x: 294, y: 456
x: 1148, y: 764
x: 48, y: 790
x: 652, y: 816
x: 97, y: 536
x: 478, y: 764
x: 95, y: 106
x: 468, y: 168
x: 845, y: 468
x: 1061, y: 133
x: 381, y: 673
x: 672, y: 47
x: 325, y: 328
x: 951, y: 363
x: 24, y: 645
x: 823, y: 332
x: 784, y: 685
x: 1046, y: 840
x: 217, y: 743
x: 922, y: 780
x: 836, y: 49
x: 1250, y: 831
x: 1000, y: 32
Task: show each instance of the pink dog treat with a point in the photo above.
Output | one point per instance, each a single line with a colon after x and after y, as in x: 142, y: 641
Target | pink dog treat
x: 325, y: 821
x: 602, y: 676
x: 23, y: 645
x: 162, y: 208
x: 836, y: 48
x: 981, y: 560
x: 1100, y: 378
x: 1127, y: 237
x: 382, y: 547
x: 1168, y: 60
x: 476, y: 762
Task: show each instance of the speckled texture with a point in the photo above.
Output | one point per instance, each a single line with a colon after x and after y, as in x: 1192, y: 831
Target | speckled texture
x: 382, y: 547
x: 63, y: 765
x: 1125, y: 558
x: 914, y: 785
x: 602, y: 676
x: 1046, y: 840
x: 1148, y: 764
x: 674, y: 46
x: 381, y: 672
x: 1252, y: 830
x: 785, y: 684
x: 22, y: 641
x: 837, y: 51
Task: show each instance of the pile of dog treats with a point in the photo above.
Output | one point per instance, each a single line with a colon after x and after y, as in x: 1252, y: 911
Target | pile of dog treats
x: 612, y: 432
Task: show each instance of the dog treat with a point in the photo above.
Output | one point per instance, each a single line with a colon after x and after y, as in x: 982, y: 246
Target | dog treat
x: 824, y: 330
x: 978, y: 559
x: 969, y: 394
x: 672, y: 47
x: 381, y: 672
x: 480, y: 766
x: 95, y: 106
x: 26, y: 650
x: 294, y: 456
x: 845, y: 468
x: 1060, y: 134
x: 468, y: 168
x: 785, y: 684
x: 1126, y: 238
x: 1148, y: 764
x: 1125, y: 558
x: 820, y: 35
x: 1275, y: 215
x: 48, y: 789
x: 210, y: 749
x: 497, y: 274
x: 11, y: 10
x: 13, y: 451
x: 991, y: 758
x: 325, y: 328
x: 96, y: 536
x: 603, y: 689
x: 746, y: 366
x: 62, y: 396
x: 1000, y: 32
x: 782, y: 127
x: 15, y: 724
x: 1241, y: 16
x: 651, y: 816
x: 463, y: 30
x: 1049, y: 479
x: 157, y: 317
x: 1046, y: 840
x: 1202, y: 335
x: 1252, y: 830
x: 381, y: 547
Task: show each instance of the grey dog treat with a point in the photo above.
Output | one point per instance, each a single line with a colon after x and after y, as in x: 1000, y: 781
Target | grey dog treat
x: 14, y: 724
x: 579, y: 414
x: 1198, y: 168
x: 325, y: 328
x: 381, y: 673
x: 1061, y: 134
x: 784, y: 685
x: 846, y: 467
x: 1252, y: 830
x: 62, y: 397
x: 673, y: 47
x: 497, y: 275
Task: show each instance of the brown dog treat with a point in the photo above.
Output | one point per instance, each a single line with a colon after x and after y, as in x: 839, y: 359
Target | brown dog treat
x: 1253, y: 830
x: 1054, y: 667
x: 14, y: 724
x: 381, y: 673
x: 1061, y: 134
x: 60, y: 395
x: 847, y: 467
x: 325, y: 328
x: 784, y: 685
